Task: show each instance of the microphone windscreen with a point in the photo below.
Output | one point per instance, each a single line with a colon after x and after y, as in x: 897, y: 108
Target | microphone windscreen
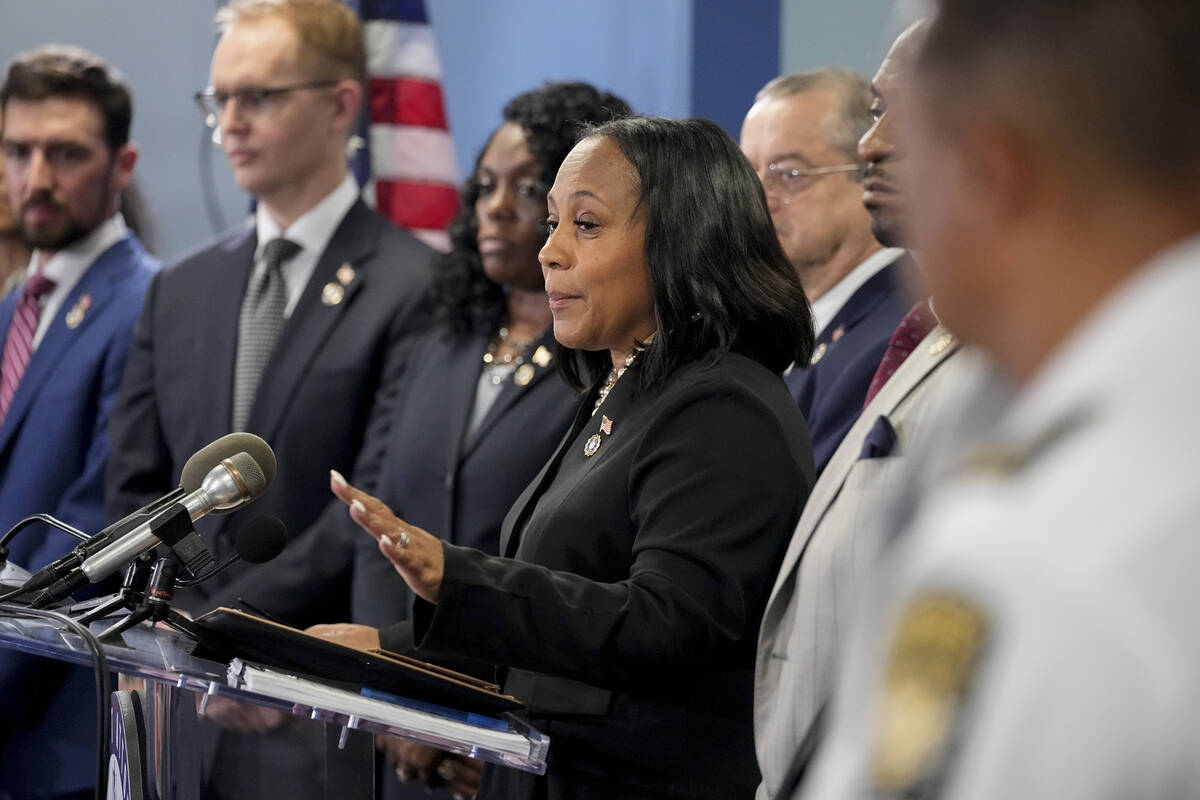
x: 206, y: 458
x: 262, y: 539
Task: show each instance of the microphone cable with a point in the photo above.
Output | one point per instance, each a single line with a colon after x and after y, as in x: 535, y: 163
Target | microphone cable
x: 103, y: 683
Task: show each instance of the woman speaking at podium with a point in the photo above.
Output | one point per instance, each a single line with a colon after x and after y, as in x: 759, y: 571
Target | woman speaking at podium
x: 625, y: 604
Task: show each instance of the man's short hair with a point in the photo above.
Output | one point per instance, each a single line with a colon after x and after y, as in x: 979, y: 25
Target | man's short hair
x: 1108, y: 84
x: 327, y: 29
x: 63, y: 71
x: 853, y: 89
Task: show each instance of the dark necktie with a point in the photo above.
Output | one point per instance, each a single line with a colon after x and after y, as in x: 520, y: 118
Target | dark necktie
x: 18, y: 345
x: 915, y: 326
x: 259, y: 327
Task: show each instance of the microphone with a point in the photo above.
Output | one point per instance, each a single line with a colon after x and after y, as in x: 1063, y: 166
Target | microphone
x: 262, y: 539
x: 234, y: 482
x: 231, y: 484
x: 205, y: 460
x: 202, y: 462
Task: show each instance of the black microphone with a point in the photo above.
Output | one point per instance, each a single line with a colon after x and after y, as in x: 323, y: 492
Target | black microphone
x: 262, y: 539
x: 231, y: 484
x: 202, y: 462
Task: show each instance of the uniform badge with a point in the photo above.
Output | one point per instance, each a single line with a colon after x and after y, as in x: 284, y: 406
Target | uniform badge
x: 345, y: 274
x: 541, y: 356
x: 942, y: 344
x: 75, y: 315
x: 933, y: 657
x: 592, y: 445
x: 818, y: 354
x: 332, y: 294
x: 523, y: 375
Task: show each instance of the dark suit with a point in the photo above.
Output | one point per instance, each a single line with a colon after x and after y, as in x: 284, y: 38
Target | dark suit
x: 430, y: 473
x: 831, y: 391
x: 629, y: 603
x: 313, y: 406
x: 316, y: 392
x: 53, y: 448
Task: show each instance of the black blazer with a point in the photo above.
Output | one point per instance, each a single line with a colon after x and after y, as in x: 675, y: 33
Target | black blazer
x: 431, y: 474
x: 316, y: 392
x: 831, y: 391
x: 629, y: 604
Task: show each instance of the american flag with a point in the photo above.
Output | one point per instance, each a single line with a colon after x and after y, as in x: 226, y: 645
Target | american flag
x: 412, y: 176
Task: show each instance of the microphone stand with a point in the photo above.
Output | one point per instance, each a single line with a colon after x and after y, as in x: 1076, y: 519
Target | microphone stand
x: 160, y: 591
x: 131, y: 593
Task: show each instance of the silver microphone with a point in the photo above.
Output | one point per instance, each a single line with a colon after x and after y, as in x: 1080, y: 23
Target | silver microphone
x: 231, y: 484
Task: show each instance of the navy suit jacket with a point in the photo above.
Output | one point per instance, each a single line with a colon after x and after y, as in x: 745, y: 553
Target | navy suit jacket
x: 53, y: 448
x: 831, y: 391
x: 317, y: 392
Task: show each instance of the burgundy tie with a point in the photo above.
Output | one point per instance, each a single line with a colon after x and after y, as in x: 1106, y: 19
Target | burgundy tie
x: 18, y: 345
x: 915, y: 326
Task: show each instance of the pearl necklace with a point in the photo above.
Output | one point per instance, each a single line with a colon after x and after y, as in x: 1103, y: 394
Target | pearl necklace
x: 614, y: 375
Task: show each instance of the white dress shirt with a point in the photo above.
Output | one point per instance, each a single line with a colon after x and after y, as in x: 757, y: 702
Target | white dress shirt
x: 67, y: 266
x: 312, y: 231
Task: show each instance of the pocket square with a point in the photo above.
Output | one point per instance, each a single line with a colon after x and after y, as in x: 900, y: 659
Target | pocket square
x: 881, y: 440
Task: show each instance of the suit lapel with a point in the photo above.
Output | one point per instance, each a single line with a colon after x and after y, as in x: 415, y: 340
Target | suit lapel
x: 524, y: 505
x: 356, y: 239
x: 229, y: 277
x: 911, y: 374
x: 98, y: 285
x: 462, y: 384
x: 513, y: 388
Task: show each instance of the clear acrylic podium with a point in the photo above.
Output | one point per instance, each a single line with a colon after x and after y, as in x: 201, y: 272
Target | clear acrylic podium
x: 178, y: 685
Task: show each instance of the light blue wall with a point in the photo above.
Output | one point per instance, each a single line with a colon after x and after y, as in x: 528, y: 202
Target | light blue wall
x: 841, y: 33
x: 639, y: 49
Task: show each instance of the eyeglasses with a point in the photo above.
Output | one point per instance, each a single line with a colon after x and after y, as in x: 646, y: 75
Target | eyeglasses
x: 786, y: 182
x: 251, y: 100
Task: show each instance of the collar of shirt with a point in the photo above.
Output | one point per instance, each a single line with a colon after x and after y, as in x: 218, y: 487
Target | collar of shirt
x: 67, y: 266
x: 826, y: 307
x: 312, y: 231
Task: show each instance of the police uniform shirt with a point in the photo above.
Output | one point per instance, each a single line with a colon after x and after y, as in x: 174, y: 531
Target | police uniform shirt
x: 1041, y: 638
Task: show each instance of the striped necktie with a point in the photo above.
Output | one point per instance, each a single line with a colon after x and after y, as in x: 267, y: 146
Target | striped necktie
x: 18, y: 345
x: 259, y: 327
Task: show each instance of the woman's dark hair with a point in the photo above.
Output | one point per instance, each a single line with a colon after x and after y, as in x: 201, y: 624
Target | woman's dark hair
x: 720, y: 279
x: 552, y: 117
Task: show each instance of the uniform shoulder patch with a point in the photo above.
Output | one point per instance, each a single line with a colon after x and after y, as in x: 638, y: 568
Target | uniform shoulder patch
x: 932, y: 658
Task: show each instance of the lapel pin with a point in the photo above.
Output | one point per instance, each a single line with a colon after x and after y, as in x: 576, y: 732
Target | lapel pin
x: 838, y: 333
x: 523, y: 375
x: 332, y: 294
x: 941, y: 345
x: 75, y: 315
x: 818, y: 354
x: 592, y: 445
x: 541, y: 356
x: 606, y: 425
x: 345, y: 274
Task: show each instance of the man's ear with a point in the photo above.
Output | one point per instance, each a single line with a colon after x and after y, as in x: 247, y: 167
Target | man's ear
x: 122, y: 169
x: 348, y: 104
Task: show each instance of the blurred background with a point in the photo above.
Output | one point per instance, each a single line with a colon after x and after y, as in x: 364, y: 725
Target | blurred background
x: 668, y: 57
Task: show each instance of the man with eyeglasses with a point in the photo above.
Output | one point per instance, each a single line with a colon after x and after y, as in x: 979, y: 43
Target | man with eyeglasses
x: 288, y: 327
x: 66, y: 332
x: 801, y: 137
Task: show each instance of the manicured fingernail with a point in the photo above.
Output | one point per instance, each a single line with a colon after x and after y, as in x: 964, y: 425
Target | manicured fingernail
x: 358, y: 506
x: 338, y: 478
x: 387, y: 541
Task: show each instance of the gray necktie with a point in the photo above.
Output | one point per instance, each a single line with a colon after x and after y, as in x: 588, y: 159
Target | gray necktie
x: 261, y: 321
